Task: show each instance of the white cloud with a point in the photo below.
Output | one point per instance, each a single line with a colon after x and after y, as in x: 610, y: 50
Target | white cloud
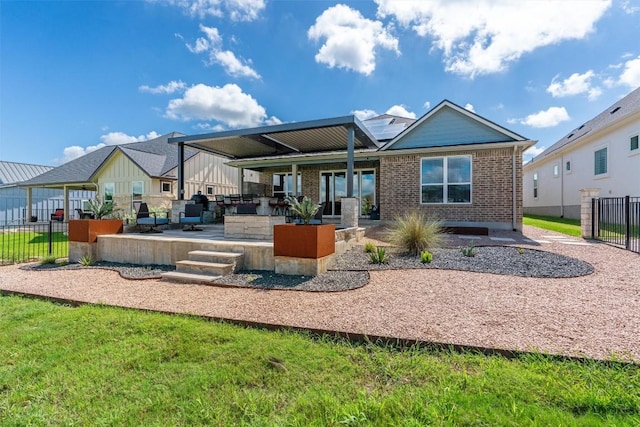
x: 111, y: 138
x: 575, y: 84
x: 273, y: 120
x: 228, y: 105
x: 630, y: 6
x: 364, y: 114
x: 469, y: 107
x: 631, y: 74
x: 170, y: 87
x: 237, y: 10
x: 534, y: 151
x: 212, y: 45
x: 351, y: 40
x: 401, y: 110
x: 549, y: 118
x: 426, y: 105
x: 482, y: 37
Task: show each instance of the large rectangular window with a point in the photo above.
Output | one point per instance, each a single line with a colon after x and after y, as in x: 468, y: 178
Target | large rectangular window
x: 446, y: 179
x: 535, y: 185
x: 600, y: 161
x: 283, y: 184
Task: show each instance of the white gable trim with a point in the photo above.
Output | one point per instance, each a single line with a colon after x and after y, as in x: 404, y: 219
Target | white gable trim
x: 451, y: 105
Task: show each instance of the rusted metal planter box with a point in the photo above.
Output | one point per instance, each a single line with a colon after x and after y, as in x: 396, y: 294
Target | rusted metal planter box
x: 304, y: 241
x: 88, y: 230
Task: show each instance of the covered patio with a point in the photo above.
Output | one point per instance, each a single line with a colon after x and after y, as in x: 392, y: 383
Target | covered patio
x: 329, y: 160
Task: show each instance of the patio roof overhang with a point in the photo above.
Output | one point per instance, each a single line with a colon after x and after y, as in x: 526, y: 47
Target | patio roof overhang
x: 314, y: 136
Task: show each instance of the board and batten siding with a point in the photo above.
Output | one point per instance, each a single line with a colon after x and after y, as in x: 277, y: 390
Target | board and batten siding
x: 206, y: 169
x: 449, y: 128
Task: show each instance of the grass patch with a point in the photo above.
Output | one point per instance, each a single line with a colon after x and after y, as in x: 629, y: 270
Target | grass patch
x: 27, y: 246
x: 98, y: 365
x: 567, y: 226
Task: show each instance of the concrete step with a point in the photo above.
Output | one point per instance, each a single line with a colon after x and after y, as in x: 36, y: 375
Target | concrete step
x: 205, y: 268
x: 176, y: 276
x: 233, y: 258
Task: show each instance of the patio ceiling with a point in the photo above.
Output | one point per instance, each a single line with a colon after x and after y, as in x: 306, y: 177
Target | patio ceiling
x: 315, y: 136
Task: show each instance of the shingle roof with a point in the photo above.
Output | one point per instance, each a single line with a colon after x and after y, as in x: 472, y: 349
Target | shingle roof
x: 155, y: 157
x: 12, y: 173
x: 623, y: 108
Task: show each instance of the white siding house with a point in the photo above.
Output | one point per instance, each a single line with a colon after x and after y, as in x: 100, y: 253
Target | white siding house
x: 603, y: 154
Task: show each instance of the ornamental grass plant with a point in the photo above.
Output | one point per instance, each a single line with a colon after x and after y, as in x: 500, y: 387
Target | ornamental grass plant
x: 415, y: 232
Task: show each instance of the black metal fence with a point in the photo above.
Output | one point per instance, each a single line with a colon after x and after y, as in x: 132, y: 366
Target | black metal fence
x: 616, y: 220
x: 33, y: 241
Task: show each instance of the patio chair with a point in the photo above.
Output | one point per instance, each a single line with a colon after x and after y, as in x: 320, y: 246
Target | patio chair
x: 58, y: 215
x: 84, y: 215
x: 317, y: 218
x: 144, y: 218
x: 191, y: 216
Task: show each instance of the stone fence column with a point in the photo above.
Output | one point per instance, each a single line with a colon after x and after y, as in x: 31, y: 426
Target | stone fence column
x: 350, y: 211
x: 586, y: 195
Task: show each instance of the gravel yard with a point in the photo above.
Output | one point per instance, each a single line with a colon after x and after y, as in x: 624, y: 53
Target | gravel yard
x: 553, y: 305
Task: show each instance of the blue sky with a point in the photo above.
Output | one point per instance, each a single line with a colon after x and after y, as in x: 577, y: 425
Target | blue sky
x: 75, y: 75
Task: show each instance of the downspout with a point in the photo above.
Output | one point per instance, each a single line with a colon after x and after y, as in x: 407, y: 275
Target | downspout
x: 515, y: 192
x: 561, y: 186
x: 181, y: 171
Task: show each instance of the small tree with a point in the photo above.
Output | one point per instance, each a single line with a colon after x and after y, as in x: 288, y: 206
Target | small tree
x: 306, y: 209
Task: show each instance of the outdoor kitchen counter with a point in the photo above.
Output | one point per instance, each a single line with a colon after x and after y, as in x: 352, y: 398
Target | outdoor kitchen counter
x: 258, y: 227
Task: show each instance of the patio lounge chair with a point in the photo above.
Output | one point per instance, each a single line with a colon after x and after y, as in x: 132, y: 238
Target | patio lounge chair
x: 144, y: 218
x: 191, y: 216
x: 58, y: 215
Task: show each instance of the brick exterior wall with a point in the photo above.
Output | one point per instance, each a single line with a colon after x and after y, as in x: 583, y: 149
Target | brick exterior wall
x: 492, y: 192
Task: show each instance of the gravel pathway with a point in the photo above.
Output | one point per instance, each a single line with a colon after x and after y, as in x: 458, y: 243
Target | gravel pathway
x: 595, y: 315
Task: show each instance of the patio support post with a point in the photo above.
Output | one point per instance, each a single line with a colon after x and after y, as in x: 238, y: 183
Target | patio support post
x: 29, y: 201
x: 240, y: 180
x: 350, y: 150
x: 294, y: 180
x: 67, y: 190
x: 180, y: 170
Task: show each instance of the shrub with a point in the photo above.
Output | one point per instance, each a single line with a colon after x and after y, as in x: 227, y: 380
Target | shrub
x: 378, y: 256
x: 87, y: 260
x: 48, y: 259
x: 426, y: 257
x: 414, y: 232
x: 306, y: 209
x: 100, y: 209
x: 468, y: 250
x: 369, y: 247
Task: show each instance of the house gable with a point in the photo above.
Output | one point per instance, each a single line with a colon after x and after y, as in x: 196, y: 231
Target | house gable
x: 448, y: 125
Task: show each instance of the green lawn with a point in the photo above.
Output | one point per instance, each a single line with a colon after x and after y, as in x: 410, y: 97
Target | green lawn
x: 561, y: 225
x: 26, y: 246
x: 97, y: 365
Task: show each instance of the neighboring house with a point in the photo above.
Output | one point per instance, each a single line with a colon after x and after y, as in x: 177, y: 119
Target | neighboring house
x: 140, y: 172
x: 13, y: 198
x: 603, y: 154
x: 451, y: 163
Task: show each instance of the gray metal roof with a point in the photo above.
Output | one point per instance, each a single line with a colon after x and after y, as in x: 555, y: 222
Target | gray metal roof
x: 621, y: 109
x: 312, y: 136
x: 155, y: 157
x: 12, y: 173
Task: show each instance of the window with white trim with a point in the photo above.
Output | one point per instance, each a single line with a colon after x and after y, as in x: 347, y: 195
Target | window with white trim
x: 445, y: 179
x: 567, y: 166
x: 165, y: 186
x: 556, y: 170
x: 633, y: 143
x: 535, y: 185
x: 600, y: 165
x: 210, y: 190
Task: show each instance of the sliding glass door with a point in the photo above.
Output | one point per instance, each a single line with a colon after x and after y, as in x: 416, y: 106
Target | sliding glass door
x: 333, y: 187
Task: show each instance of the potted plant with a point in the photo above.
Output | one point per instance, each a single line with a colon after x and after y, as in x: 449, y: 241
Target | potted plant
x: 304, y: 240
x: 88, y: 230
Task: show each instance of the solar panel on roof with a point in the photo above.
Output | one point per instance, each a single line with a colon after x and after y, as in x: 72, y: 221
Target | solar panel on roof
x: 382, y: 129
